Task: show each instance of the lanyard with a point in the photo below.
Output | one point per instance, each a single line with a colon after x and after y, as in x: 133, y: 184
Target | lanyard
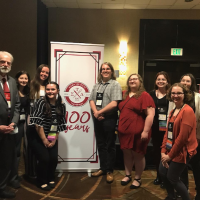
x: 104, y: 89
x: 177, y: 113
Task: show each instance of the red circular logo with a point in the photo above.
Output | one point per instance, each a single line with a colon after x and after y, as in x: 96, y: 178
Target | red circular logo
x: 76, y: 94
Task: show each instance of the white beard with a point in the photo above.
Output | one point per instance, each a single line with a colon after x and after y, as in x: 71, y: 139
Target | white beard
x: 4, y: 69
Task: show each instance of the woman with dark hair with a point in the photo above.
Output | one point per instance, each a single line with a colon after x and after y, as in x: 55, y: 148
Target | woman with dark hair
x: 179, y: 143
x: 137, y: 111
x: 103, y: 102
x: 161, y: 85
x: 23, y: 83
x: 189, y: 81
x: 48, y: 119
x: 37, y: 90
x: 38, y: 83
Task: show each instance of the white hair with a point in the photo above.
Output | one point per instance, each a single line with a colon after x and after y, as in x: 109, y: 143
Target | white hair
x: 8, y: 54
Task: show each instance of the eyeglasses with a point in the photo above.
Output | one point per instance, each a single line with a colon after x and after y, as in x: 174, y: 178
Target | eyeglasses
x: 133, y: 79
x: 178, y: 93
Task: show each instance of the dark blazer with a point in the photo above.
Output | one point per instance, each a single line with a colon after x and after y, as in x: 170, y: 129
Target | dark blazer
x: 15, y: 104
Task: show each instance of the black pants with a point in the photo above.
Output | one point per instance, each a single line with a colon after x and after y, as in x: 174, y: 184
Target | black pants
x: 171, y: 178
x: 47, y: 161
x: 157, y: 139
x: 18, y: 141
x: 29, y: 156
x: 7, y: 158
x: 195, y: 164
x: 105, y: 137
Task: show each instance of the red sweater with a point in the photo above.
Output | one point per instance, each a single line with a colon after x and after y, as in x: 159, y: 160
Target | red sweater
x: 184, y: 136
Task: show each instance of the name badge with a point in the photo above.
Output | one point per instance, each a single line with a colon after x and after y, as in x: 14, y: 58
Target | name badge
x: 162, y: 117
x: 9, y: 104
x: 169, y: 135
x: 99, y: 99
x: 42, y: 93
x: 22, y: 117
x: 53, y: 128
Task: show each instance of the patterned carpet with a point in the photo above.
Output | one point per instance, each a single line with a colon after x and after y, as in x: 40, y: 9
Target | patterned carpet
x: 78, y: 186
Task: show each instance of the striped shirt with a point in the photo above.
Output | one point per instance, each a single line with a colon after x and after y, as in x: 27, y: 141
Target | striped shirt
x: 39, y: 118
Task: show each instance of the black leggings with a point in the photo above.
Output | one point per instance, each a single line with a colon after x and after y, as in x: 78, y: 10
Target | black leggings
x: 171, y: 178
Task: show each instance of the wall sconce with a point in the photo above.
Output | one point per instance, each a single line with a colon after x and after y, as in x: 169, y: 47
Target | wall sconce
x: 122, y: 58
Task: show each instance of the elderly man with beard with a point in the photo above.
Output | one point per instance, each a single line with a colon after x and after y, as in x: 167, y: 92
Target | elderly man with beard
x: 9, y: 116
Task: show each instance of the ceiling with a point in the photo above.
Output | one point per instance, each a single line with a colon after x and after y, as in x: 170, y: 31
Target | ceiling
x: 123, y: 4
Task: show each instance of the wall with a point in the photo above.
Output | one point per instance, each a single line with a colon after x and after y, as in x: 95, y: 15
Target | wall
x: 18, y: 33
x: 108, y: 27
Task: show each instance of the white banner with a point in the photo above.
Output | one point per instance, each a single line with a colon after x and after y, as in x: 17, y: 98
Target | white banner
x: 75, y: 68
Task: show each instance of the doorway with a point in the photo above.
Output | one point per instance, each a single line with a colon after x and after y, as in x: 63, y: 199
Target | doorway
x: 175, y: 69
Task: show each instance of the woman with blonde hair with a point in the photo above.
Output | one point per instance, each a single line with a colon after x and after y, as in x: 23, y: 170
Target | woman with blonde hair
x: 137, y: 111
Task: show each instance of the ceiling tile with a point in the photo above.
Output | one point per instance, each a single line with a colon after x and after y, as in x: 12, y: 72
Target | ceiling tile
x: 66, y: 5
x: 89, y: 1
x: 113, y: 1
x: 157, y: 7
x: 112, y: 6
x: 64, y: 1
x: 196, y: 7
x: 182, y: 6
x: 131, y: 6
x: 162, y: 2
x: 90, y: 5
x: 135, y: 2
x: 182, y: 2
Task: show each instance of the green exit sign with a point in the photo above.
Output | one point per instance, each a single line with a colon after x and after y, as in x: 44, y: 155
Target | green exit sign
x: 176, y: 52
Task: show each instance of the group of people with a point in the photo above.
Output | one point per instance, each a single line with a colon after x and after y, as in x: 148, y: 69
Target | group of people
x: 170, y: 115
x: 24, y: 113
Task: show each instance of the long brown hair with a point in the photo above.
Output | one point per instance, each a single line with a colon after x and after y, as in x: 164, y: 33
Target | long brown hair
x: 113, y: 76
x: 193, y: 86
x: 35, y: 83
x: 140, y: 89
x: 26, y: 89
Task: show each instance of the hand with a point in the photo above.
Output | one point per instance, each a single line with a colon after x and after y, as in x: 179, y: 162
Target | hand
x: 144, y: 136
x: 51, y: 143
x: 166, y: 165
x: 12, y: 124
x: 45, y: 142
x: 6, y: 129
x: 101, y: 117
x: 165, y: 158
x: 96, y: 114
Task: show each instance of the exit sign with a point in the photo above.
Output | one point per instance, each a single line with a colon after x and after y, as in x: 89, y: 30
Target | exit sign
x: 176, y: 52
